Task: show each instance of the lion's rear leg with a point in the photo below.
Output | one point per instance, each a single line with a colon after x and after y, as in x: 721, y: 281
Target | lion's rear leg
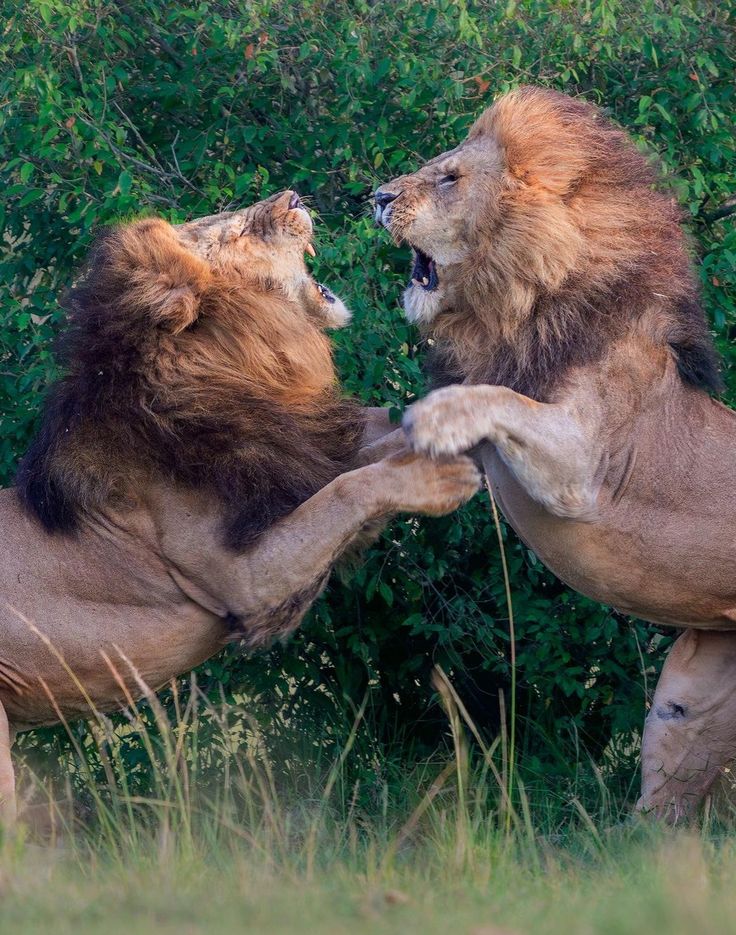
x: 690, y: 731
x: 7, y: 773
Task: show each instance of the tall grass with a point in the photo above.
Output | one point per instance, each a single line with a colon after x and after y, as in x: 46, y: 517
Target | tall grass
x: 195, y: 768
x: 208, y: 832
x: 174, y: 803
x: 184, y: 815
x: 228, y: 789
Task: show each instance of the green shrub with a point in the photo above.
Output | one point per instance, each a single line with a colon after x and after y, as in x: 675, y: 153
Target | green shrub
x: 110, y: 109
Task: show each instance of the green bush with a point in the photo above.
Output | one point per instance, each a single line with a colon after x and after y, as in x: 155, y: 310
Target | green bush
x: 110, y: 109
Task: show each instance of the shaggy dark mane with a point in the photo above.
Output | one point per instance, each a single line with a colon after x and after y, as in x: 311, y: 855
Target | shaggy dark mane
x: 698, y: 361
x: 578, y: 248
x: 144, y: 398
x: 583, y: 337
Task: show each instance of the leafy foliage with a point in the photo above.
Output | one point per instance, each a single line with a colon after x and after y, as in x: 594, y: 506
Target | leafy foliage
x: 110, y: 109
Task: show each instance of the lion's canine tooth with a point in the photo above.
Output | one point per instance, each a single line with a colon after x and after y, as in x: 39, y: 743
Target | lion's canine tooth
x: 425, y: 281
x: 310, y: 250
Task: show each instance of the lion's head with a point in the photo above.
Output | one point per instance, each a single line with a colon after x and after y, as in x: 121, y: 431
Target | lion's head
x: 537, y: 241
x: 196, y: 354
x: 266, y: 241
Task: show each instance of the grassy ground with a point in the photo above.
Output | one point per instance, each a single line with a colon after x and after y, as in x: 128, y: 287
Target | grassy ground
x: 631, y: 880
x: 201, y: 830
x: 679, y: 885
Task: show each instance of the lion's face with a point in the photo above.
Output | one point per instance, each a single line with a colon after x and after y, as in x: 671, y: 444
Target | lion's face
x: 197, y: 354
x: 543, y: 187
x: 438, y: 211
x: 267, y: 242
x: 537, y: 241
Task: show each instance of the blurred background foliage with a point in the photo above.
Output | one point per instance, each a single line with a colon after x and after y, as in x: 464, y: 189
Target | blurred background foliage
x: 110, y: 109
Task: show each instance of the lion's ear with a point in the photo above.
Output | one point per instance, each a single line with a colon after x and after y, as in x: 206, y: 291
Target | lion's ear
x: 160, y: 276
x: 174, y: 304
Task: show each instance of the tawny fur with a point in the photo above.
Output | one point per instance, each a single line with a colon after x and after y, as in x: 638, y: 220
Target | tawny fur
x: 208, y: 368
x: 561, y: 303
x: 191, y: 482
x: 560, y: 244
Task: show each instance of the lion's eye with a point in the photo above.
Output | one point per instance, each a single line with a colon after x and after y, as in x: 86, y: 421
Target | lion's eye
x: 448, y: 179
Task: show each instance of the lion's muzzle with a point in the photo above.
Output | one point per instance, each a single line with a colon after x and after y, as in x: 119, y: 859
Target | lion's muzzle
x: 383, y: 199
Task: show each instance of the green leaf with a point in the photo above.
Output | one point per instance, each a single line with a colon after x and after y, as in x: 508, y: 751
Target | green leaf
x: 125, y: 181
x: 33, y: 194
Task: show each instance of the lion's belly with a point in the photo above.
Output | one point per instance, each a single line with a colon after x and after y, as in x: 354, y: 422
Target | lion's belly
x: 646, y: 566
x: 112, y: 655
x: 85, y: 622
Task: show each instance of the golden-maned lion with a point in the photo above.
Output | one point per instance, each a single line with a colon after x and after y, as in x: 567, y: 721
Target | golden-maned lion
x: 193, y: 480
x: 556, y: 287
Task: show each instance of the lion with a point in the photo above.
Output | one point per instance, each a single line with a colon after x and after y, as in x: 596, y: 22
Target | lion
x: 197, y: 472
x: 552, y: 279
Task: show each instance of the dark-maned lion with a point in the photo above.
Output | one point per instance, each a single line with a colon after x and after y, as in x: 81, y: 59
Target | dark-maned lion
x: 555, y: 284
x: 193, y: 479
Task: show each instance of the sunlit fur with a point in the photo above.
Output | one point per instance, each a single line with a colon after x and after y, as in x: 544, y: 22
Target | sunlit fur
x: 573, y: 286
x: 551, y: 244
x: 195, y: 354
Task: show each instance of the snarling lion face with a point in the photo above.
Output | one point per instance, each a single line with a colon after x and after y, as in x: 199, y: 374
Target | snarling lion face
x: 266, y: 241
x: 438, y: 211
x: 544, y: 188
x: 197, y: 353
x: 540, y: 240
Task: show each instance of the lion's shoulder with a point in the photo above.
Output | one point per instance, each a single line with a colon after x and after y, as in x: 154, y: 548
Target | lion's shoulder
x: 174, y: 374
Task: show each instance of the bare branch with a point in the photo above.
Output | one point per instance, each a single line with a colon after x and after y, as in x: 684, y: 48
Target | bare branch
x: 723, y: 211
x: 74, y: 59
x: 154, y: 168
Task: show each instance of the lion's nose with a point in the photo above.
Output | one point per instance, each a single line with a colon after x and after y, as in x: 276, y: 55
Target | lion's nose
x: 384, y: 198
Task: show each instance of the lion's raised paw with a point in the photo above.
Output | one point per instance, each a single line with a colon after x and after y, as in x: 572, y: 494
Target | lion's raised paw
x: 441, y: 424
x: 433, y: 487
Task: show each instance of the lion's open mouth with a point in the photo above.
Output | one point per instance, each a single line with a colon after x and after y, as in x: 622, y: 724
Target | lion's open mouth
x: 424, y: 271
x: 326, y: 293
x: 296, y: 204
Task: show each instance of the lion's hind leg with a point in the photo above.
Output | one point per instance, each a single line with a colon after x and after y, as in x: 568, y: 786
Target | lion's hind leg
x: 690, y: 731
x: 7, y: 773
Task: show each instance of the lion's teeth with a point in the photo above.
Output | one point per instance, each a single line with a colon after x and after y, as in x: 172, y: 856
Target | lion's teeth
x: 310, y: 250
x: 425, y: 281
x: 415, y: 282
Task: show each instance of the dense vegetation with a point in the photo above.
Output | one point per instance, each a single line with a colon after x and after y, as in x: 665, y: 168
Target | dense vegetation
x: 110, y: 109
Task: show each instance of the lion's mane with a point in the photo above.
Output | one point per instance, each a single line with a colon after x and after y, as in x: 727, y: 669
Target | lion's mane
x: 580, y: 244
x: 175, y: 372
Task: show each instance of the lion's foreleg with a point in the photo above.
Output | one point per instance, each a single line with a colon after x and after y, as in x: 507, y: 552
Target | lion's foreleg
x: 381, y: 436
x: 269, y: 588
x: 690, y: 731
x: 552, y: 454
x: 383, y: 447
x: 7, y: 773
